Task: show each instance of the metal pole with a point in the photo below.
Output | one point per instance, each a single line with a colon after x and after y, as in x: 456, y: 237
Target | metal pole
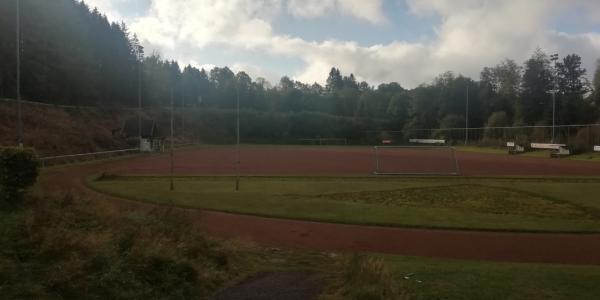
x: 19, y: 113
x: 237, y: 165
x: 182, y: 114
x: 554, y: 58
x: 467, y: 118
x: 553, y: 112
x: 376, y: 160
x: 172, y: 159
x: 140, y: 101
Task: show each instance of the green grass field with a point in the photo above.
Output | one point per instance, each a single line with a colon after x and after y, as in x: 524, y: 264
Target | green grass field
x: 592, y: 156
x: 526, y: 204
x: 426, y: 278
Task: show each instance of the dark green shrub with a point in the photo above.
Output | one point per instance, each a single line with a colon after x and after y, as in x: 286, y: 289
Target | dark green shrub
x: 18, y: 171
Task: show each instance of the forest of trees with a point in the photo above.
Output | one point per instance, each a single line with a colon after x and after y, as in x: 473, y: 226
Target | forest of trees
x: 73, y: 55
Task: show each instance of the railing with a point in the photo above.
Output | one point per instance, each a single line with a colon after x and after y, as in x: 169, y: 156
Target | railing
x: 45, y: 160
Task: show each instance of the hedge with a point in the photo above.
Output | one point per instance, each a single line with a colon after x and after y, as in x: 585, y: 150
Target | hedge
x: 18, y: 171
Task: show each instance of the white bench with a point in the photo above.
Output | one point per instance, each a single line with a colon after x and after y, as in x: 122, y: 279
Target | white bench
x: 427, y: 141
x: 556, y: 150
x: 513, y: 148
x: 596, y: 148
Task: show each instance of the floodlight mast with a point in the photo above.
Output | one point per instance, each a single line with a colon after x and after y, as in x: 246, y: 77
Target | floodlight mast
x: 554, y: 58
x: 237, y: 165
x: 140, y: 99
x: 18, y: 43
x: 172, y: 187
x: 467, y: 117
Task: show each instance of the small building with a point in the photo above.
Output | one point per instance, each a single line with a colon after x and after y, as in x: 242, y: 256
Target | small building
x: 152, y: 139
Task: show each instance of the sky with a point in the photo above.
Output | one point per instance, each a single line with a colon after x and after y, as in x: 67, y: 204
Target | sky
x: 406, y: 41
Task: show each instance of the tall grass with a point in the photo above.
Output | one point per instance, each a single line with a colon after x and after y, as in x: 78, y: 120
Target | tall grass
x: 366, y: 278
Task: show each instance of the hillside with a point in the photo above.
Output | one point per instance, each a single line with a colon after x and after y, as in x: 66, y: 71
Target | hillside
x: 54, y: 130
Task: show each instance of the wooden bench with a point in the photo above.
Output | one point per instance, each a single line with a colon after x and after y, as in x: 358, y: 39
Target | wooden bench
x: 513, y: 148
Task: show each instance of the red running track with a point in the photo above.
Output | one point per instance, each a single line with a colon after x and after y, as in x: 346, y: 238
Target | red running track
x: 458, y: 244
x: 356, y: 161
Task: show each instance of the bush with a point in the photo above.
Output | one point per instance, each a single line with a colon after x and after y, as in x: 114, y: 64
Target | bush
x: 18, y: 171
x: 367, y: 278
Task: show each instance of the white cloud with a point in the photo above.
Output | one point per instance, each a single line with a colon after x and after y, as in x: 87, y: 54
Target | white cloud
x: 106, y: 7
x: 472, y: 34
x: 370, y: 11
x: 256, y: 71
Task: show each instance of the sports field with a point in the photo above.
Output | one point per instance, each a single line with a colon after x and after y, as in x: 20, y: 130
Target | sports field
x: 527, y: 235
x: 346, y: 161
x: 533, y: 204
x: 505, y: 208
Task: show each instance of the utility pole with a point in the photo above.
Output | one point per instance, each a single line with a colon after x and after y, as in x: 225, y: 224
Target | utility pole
x: 172, y: 158
x: 237, y: 165
x: 19, y: 113
x: 467, y: 117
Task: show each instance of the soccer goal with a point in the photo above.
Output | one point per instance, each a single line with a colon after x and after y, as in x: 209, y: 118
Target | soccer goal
x: 415, y: 160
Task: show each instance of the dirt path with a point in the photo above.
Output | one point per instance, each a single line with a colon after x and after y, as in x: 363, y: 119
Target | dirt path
x: 476, y: 245
x: 275, y: 286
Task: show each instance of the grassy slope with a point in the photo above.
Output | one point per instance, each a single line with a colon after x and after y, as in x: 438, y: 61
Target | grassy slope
x: 529, y: 205
x: 68, y: 248
x: 105, y: 256
x: 457, y: 279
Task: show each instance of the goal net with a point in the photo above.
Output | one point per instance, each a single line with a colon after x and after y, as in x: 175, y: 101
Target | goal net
x: 415, y: 160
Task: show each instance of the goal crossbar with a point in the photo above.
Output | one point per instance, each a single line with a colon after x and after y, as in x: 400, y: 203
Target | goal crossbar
x: 452, y: 158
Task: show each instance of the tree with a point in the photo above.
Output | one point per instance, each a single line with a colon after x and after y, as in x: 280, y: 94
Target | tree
x: 501, y: 86
x: 572, y: 85
x: 334, y: 80
x: 595, y: 96
x: 537, y: 81
x: 497, y: 119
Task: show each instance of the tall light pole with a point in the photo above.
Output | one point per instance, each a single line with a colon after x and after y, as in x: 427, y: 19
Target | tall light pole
x: 467, y: 117
x: 237, y: 165
x: 554, y: 58
x: 172, y: 187
x: 19, y: 113
x: 183, y: 113
x: 140, y: 99
x: 553, y: 113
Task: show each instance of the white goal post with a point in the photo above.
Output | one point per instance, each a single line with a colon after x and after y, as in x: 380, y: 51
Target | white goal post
x: 416, y: 160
